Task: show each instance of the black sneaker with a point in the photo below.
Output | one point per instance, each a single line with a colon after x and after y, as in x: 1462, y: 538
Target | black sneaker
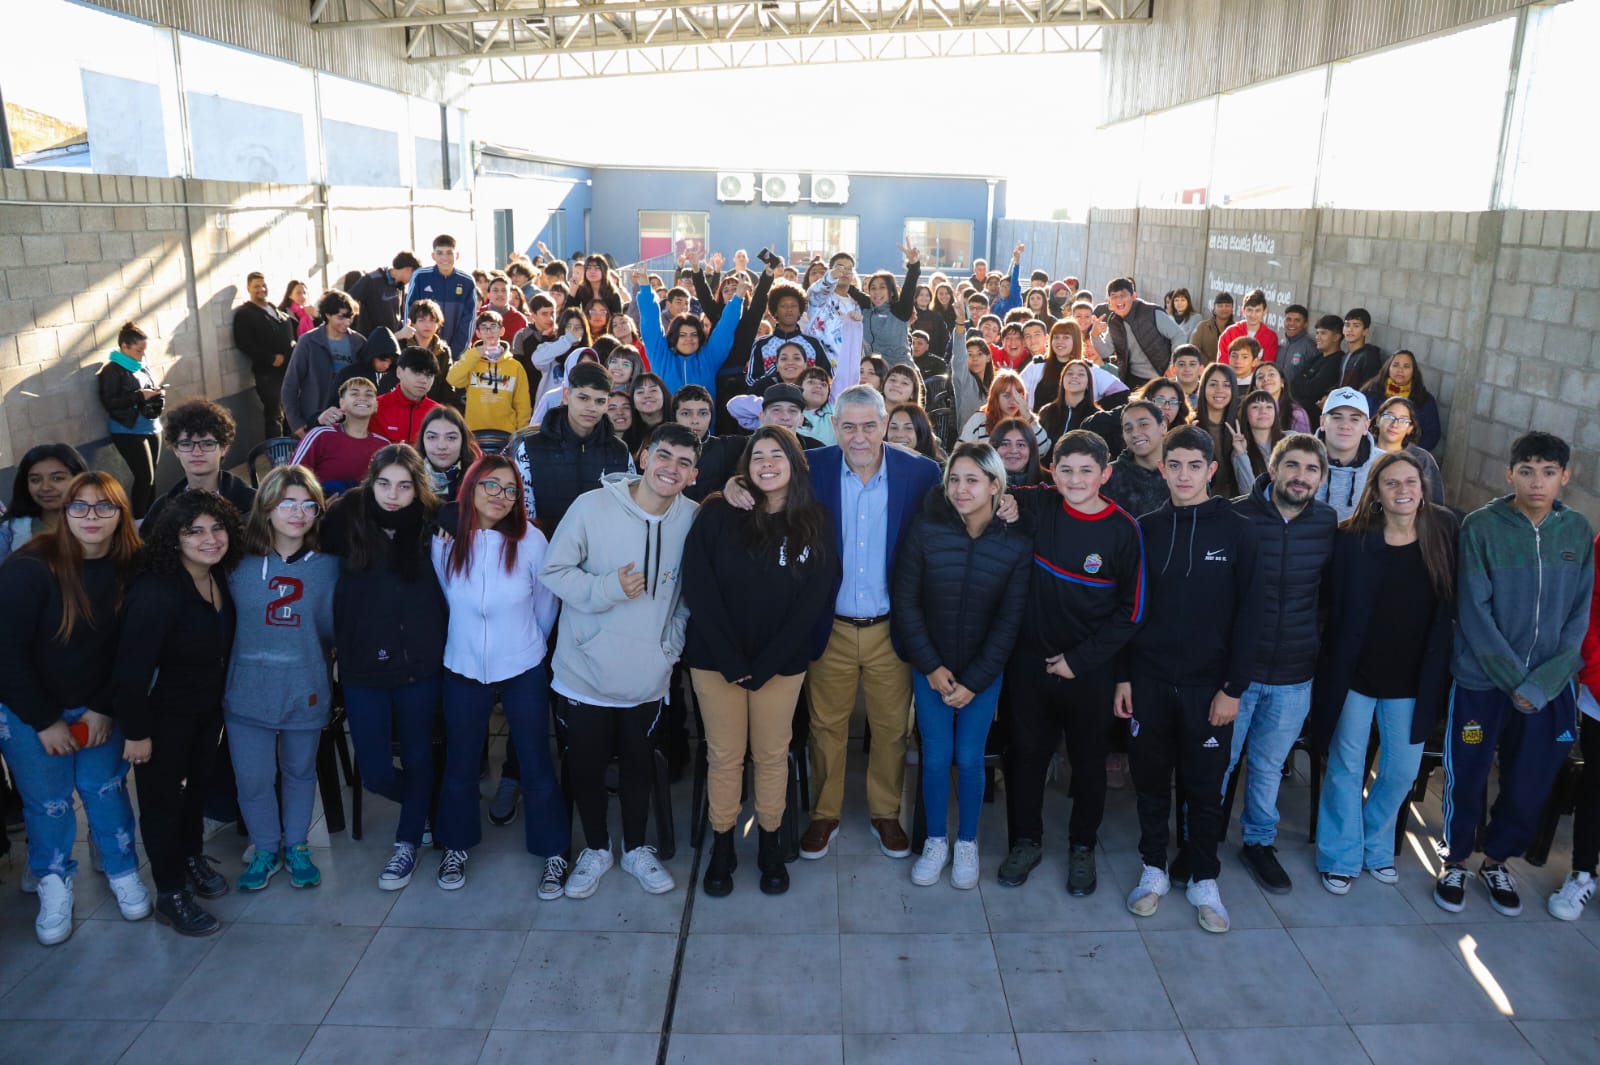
x: 205, y: 881
x: 178, y: 909
x: 1080, y: 871
x: 1502, y: 888
x: 1262, y: 861
x: 1024, y: 857
x: 1450, y: 890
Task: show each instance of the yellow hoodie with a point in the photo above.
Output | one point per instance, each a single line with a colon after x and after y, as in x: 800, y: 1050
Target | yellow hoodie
x: 497, y: 390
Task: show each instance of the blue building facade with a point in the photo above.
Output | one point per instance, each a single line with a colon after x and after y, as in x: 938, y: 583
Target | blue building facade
x: 655, y: 215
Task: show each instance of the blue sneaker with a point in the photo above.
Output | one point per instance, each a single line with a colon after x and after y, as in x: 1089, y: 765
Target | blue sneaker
x: 263, y: 867
x: 302, y: 872
x: 397, y: 874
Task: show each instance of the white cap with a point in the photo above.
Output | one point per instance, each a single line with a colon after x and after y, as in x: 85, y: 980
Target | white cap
x: 1346, y: 397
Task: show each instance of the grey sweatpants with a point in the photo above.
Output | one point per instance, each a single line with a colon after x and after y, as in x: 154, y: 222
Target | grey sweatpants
x: 259, y: 755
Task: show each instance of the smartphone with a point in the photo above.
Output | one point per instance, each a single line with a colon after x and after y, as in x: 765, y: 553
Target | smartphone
x: 765, y: 255
x: 80, y: 732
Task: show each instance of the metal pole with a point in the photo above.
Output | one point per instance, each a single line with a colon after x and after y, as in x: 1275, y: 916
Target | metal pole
x: 444, y: 145
x: 6, y: 162
x: 1505, y: 178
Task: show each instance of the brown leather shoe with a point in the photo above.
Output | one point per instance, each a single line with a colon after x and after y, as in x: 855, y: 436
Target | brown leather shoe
x: 818, y: 838
x: 891, y: 837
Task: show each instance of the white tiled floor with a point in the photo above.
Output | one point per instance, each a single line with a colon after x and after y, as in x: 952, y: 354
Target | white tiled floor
x: 853, y: 964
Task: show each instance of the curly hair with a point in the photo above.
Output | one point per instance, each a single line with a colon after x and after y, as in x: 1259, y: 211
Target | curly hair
x: 163, y: 553
x: 197, y: 417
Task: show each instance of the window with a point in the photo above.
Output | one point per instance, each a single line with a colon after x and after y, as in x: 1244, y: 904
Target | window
x: 503, y: 245
x: 1286, y: 113
x: 250, y: 118
x: 1447, y: 157
x: 945, y: 243
x: 824, y: 235
x: 91, y: 91
x: 1550, y: 162
x: 1177, y: 162
x: 672, y: 233
x: 363, y: 131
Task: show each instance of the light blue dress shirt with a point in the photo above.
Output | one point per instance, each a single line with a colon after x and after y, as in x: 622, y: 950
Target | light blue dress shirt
x: 864, y: 529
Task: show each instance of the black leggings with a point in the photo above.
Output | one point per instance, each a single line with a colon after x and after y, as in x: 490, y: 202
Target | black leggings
x: 172, y: 792
x: 1586, y: 804
x: 140, y: 452
x: 595, y: 733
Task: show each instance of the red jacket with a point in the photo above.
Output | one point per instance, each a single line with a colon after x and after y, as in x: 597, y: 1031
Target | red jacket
x: 1589, y: 671
x: 1264, y: 336
x: 398, y: 418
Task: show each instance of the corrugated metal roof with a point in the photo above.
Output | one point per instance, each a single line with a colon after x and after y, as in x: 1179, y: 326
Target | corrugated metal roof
x: 282, y: 29
x: 1195, y: 48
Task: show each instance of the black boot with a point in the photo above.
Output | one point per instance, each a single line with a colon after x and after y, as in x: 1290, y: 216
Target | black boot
x: 178, y: 909
x: 205, y: 881
x: 719, y: 873
x: 769, y: 859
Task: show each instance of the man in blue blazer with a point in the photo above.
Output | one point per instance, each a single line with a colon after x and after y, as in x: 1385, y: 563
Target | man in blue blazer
x: 873, y: 491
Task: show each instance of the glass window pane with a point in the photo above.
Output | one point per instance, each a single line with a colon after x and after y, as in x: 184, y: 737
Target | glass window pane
x: 1450, y: 93
x: 813, y: 235
x: 1115, y: 164
x: 249, y: 116
x: 88, y: 90
x: 1177, y: 156
x: 655, y: 234
x: 1552, y: 160
x: 945, y: 243
x: 1266, y: 154
x: 362, y: 128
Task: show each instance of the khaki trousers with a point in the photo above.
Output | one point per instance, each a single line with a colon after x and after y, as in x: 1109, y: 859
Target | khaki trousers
x: 733, y: 718
x: 865, y: 657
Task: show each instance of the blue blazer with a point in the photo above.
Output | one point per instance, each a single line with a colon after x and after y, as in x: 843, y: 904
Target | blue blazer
x: 910, y: 478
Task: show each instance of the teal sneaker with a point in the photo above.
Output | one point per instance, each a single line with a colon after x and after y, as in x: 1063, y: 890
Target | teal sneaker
x: 302, y: 872
x: 263, y: 867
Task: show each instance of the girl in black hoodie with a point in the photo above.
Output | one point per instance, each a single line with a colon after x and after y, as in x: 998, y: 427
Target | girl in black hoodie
x: 389, y: 625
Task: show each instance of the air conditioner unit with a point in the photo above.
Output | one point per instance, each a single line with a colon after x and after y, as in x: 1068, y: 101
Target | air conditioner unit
x: 780, y: 188
x: 830, y: 188
x: 736, y: 188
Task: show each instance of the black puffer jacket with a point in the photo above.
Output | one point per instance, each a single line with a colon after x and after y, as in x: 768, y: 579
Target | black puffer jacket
x: 1291, y: 559
x: 958, y: 602
x: 558, y: 465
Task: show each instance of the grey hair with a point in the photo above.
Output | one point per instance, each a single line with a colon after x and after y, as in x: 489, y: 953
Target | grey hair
x: 987, y: 460
x: 865, y: 396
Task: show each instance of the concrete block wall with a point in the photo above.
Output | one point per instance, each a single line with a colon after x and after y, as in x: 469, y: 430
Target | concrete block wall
x: 1171, y: 252
x: 1540, y: 350
x: 82, y: 253
x: 1059, y: 247
x: 1251, y: 249
x: 1113, y: 248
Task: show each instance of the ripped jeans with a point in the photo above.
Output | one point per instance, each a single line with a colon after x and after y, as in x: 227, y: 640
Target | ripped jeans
x: 46, y: 782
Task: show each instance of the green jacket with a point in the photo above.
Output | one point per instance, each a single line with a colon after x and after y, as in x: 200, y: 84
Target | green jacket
x: 1524, y: 600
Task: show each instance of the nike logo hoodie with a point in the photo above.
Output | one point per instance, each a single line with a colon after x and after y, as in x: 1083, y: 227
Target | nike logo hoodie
x: 1203, y: 615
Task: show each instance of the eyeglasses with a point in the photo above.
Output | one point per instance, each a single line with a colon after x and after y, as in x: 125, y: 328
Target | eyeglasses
x: 309, y: 507
x: 205, y: 446
x: 494, y: 489
x: 1169, y: 401
x: 1394, y: 419
x: 103, y: 509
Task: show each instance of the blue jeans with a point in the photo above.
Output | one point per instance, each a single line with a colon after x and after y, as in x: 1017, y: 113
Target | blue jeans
x: 526, y: 701
x: 46, y: 783
x: 953, y: 734
x: 1352, y: 836
x: 375, y: 715
x: 261, y: 756
x: 1270, y: 718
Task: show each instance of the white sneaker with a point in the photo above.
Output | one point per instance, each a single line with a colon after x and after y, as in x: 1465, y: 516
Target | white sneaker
x: 964, y: 872
x: 55, y: 910
x: 1207, y: 901
x: 133, y: 898
x: 1153, y: 884
x: 1567, y: 903
x: 642, y: 864
x: 925, y: 871
x: 586, y: 873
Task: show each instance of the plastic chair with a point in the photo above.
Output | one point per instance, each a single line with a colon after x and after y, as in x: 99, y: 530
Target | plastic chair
x: 944, y: 426
x: 333, y: 755
x: 1318, y: 763
x: 1562, y: 801
x: 277, y: 450
x: 491, y: 441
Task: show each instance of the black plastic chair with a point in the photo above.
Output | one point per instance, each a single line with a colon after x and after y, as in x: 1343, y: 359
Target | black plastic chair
x: 1562, y: 801
x: 944, y: 426
x: 1318, y: 763
x: 333, y: 755
x: 992, y: 760
x: 491, y: 441
x: 277, y: 451
x: 938, y: 391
